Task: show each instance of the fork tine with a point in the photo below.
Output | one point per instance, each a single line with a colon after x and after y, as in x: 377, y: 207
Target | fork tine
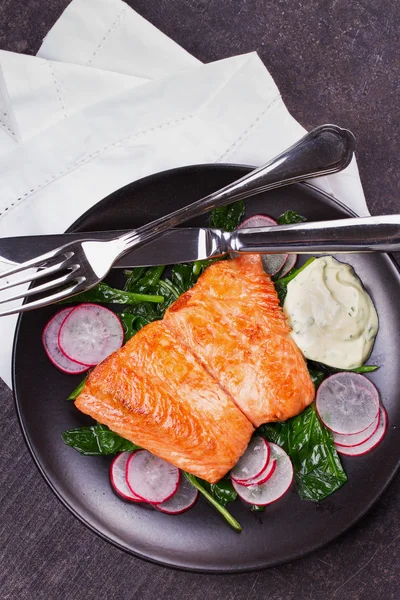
x: 36, y: 262
x: 44, y: 287
x: 66, y: 293
x: 44, y: 272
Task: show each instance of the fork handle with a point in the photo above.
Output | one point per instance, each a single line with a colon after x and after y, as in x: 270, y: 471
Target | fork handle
x: 366, y: 234
x: 325, y: 150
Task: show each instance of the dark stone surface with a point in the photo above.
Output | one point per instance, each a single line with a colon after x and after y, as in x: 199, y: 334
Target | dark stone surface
x: 333, y: 61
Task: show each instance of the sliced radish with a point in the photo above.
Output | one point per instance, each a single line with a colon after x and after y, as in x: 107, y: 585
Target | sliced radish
x: 118, y: 479
x: 253, y: 462
x: 272, y: 263
x: 183, y: 499
x: 347, y: 403
x: 52, y: 348
x: 289, y: 265
x: 151, y: 478
x: 90, y: 333
x: 371, y: 442
x: 355, y: 439
x: 257, y: 221
x: 275, y: 487
x: 265, y: 475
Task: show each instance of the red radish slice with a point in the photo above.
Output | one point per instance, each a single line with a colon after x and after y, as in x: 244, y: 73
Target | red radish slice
x: 257, y: 221
x: 372, y: 442
x: 265, y: 475
x: 289, y: 265
x: 117, y: 477
x: 355, y: 439
x: 277, y: 485
x: 90, y: 333
x: 183, y: 499
x: 347, y: 403
x: 253, y: 462
x: 52, y: 348
x: 272, y: 263
x: 151, y: 478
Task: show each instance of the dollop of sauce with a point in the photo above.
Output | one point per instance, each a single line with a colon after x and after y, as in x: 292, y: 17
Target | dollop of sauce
x: 332, y: 316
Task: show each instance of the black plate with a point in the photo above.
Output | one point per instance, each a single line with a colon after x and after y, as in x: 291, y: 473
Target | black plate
x: 200, y: 539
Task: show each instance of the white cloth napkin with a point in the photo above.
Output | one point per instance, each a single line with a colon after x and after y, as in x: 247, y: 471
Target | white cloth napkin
x: 110, y: 99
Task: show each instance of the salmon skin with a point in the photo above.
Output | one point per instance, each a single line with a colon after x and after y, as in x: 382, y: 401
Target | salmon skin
x: 191, y: 388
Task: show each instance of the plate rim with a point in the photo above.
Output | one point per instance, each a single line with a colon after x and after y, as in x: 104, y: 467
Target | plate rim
x: 182, y: 567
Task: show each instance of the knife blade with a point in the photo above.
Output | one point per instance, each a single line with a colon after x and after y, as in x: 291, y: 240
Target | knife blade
x: 185, y: 244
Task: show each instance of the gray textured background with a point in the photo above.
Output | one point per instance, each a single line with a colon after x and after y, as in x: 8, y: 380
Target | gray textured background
x: 334, y: 61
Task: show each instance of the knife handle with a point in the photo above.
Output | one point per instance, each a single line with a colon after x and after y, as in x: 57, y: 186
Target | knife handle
x: 361, y: 234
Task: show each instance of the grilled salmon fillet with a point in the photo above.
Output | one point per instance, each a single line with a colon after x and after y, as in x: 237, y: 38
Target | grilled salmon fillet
x: 232, y: 322
x: 154, y: 392
x: 190, y: 388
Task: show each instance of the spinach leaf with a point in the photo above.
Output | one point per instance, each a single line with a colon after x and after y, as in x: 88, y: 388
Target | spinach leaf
x: 277, y: 433
x: 281, y: 289
x: 142, y: 280
x: 132, y: 276
x: 365, y: 369
x: 317, y: 375
x: 327, y: 370
x: 133, y: 318
x: 149, y: 281
x: 185, y: 275
x: 97, y: 440
x: 319, y: 471
x: 223, y: 491
x: 104, y: 294
x: 170, y: 293
x: 289, y: 217
x: 227, y: 217
x: 220, y: 508
x: 317, y: 467
x: 147, y: 310
x: 132, y: 324
x: 75, y: 393
x: 281, y: 284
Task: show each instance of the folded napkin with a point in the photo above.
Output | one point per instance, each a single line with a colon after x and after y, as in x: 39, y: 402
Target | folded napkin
x: 110, y: 99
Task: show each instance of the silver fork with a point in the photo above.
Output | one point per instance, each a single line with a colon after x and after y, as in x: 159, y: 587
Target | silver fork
x: 80, y: 265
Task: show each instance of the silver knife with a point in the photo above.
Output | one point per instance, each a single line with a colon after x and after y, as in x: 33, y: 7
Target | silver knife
x: 185, y: 244
x: 188, y: 244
